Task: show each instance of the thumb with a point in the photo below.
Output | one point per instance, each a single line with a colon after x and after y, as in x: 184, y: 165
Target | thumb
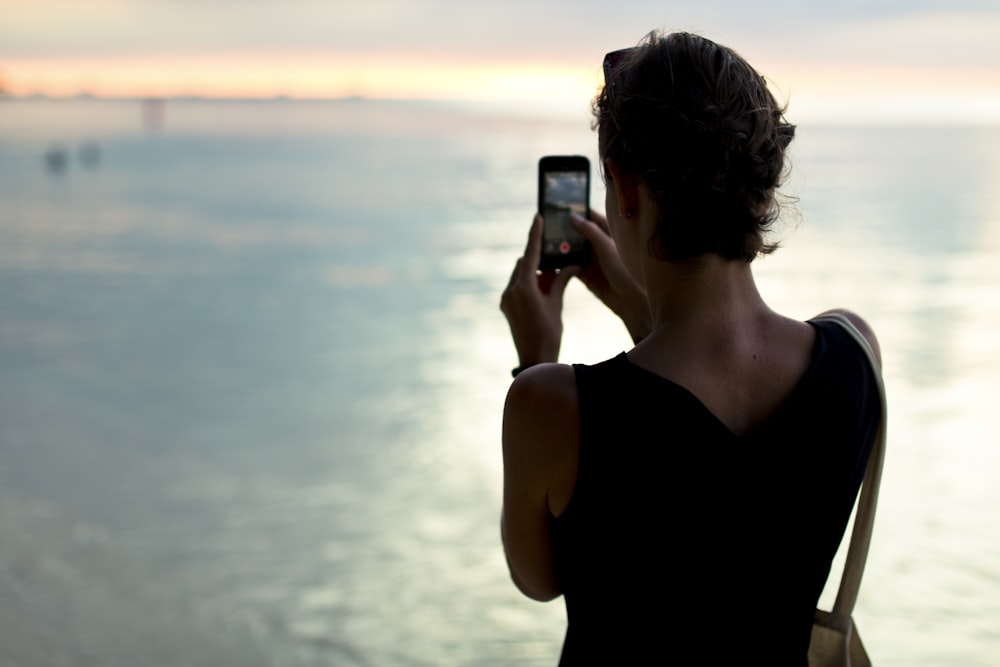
x: 587, y: 228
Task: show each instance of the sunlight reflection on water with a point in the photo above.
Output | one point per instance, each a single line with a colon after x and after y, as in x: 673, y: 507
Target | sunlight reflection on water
x: 254, y: 366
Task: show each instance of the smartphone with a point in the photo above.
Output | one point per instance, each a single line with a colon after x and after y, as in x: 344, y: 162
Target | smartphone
x: 563, y: 188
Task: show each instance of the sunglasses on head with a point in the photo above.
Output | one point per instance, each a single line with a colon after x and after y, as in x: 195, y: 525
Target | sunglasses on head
x: 611, y: 61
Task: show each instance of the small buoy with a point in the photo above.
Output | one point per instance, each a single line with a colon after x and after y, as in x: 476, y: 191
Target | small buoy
x: 90, y: 154
x: 154, y: 112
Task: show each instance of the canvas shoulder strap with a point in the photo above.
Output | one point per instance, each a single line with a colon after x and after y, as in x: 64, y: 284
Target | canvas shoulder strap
x: 857, y: 552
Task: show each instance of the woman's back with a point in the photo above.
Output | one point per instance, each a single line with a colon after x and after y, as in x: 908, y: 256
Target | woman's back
x: 717, y: 337
x: 687, y: 496
x: 677, y: 527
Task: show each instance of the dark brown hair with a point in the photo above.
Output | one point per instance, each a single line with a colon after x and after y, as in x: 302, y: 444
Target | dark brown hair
x: 694, y: 121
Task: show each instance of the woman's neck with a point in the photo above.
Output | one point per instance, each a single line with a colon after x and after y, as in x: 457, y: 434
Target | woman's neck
x: 708, y: 293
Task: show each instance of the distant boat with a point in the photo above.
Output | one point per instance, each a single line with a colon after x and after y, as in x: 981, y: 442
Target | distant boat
x: 56, y: 158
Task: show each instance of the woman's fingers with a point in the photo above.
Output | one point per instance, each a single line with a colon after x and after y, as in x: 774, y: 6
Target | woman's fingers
x: 589, y: 229
x: 533, y: 249
x: 600, y: 220
x: 599, y: 237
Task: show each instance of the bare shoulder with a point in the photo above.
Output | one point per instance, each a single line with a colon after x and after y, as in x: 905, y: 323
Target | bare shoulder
x: 542, y: 408
x: 541, y: 388
x: 861, y: 325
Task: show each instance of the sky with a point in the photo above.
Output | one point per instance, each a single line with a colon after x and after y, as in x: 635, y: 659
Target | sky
x: 906, y: 59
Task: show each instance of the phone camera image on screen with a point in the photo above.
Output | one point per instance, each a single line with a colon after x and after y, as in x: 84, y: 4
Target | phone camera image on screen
x: 565, y: 193
x: 564, y: 189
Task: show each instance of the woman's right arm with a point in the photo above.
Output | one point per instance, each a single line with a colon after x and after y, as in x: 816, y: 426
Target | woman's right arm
x: 540, y: 428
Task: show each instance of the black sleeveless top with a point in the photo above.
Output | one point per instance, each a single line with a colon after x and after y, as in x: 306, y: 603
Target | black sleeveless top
x: 684, y: 539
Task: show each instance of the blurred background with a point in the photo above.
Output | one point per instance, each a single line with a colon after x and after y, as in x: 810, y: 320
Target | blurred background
x: 251, y: 359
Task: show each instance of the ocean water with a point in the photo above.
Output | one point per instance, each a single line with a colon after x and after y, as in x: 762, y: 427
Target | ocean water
x: 252, y: 368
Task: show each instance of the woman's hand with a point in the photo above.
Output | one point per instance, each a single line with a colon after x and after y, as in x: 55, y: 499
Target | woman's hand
x: 533, y: 302
x: 607, y: 278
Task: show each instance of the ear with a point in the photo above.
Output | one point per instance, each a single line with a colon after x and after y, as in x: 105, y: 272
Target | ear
x: 626, y: 189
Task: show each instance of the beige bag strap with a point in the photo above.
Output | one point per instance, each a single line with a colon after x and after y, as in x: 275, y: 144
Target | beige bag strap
x: 857, y: 552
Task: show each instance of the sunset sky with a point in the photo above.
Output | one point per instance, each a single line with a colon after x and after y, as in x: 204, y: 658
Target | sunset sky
x: 909, y: 59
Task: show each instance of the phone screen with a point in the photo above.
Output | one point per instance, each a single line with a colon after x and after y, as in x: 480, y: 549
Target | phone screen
x: 565, y: 189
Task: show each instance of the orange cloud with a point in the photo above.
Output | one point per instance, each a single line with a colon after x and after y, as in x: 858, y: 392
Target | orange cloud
x: 817, y: 91
x: 862, y: 92
x: 303, y: 76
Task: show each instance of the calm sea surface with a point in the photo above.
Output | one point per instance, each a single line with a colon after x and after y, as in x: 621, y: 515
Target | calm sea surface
x: 252, y: 367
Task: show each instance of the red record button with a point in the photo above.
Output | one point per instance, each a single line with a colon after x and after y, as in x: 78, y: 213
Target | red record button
x: 564, y: 247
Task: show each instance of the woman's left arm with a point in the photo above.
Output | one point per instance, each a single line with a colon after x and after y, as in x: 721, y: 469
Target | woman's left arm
x: 540, y: 426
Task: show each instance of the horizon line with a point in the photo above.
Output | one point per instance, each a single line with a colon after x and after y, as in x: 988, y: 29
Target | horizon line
x: 84, y: 96
x: 945, y: 117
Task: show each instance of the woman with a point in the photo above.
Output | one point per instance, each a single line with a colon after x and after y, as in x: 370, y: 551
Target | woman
x: 686, y: 497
